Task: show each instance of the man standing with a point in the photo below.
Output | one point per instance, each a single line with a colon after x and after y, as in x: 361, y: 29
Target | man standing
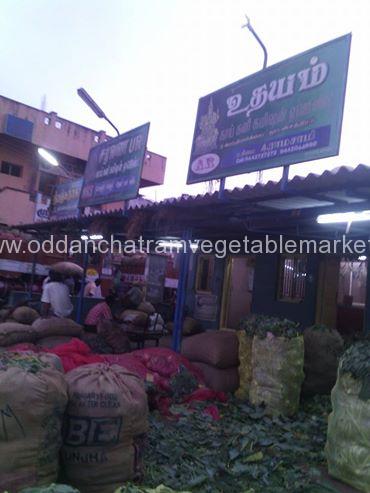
x: 55, y: 299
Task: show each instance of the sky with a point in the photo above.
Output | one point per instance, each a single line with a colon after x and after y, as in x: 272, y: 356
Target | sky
x: 151, y: 60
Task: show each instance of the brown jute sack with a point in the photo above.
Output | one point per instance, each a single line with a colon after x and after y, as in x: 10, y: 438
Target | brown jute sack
x: 220, y: 380
x: 33, y: 396
x: 107, y: 408
x: 215, y: 347
x: 55, y: 326
x: 53, y: 341
x: 114, y: 336
x: 4, y: 314
x: 13, y: 333
x: 25, y: 315
x: 322, y: 350
x: 134, y: 317
x: 146, y: 307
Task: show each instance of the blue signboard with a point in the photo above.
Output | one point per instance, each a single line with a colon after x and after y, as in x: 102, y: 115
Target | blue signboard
x: 65, y: 199
x: 288, y: 113
x: 113, y: 170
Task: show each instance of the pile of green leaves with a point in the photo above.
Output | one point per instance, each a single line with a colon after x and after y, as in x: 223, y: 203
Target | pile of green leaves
x: 133, y: 488
x: 28, y: 362
x: 53, y: 488
x: 263, y: 325
x: 320, y: 328
x: 356, y: 361
x: 182, y: 384
x: 245, y: 451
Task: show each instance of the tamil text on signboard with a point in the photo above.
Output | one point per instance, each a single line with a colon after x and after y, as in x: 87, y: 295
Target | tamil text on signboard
x: 65, y: 199
x: 288, y: 113
x: 114, y: 168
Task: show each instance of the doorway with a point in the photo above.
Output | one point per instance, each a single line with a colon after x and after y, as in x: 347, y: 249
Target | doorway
x: 237, y: 290
x: 341, y: 294
x: 351, y: 296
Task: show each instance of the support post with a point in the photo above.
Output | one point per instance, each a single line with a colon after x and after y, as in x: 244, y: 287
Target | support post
x: 222, y: 188
x: 80, y: 302
x: 367, y: 300
x: 181, y: 292
x: 284, y: 178
x: 33, y: 272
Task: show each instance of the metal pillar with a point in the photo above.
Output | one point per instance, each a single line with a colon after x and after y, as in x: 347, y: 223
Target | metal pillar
x: 181, y: 292
x: 367, y: 300
x: 80, y: 302
x: 222, y: 188
x: 248, y: 25
x: 33, y: 272
x: 284, y: 178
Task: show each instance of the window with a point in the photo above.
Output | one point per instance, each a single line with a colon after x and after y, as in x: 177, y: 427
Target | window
x: 11, y: 169
x: 47, y: 183
x: 58, y: 125
x: 96, y: 138
x: 204, y: 273
x: 47, y: 120
x: 292, y: 278
x: 352, y: 282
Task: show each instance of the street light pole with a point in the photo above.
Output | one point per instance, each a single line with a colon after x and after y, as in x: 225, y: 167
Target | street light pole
x: 87, y: 99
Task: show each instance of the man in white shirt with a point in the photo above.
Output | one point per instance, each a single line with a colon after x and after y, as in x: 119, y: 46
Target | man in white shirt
x: 55, y: 299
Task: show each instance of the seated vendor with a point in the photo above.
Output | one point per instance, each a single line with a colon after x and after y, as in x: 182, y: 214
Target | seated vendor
x: 101, y: 311
x: 55, y: 299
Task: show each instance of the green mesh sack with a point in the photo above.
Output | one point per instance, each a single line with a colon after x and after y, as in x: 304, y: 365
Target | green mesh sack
x: 132, y: 488
x: 348, y: 440
x: 245, y: 364
x: 53, y: 488
x: 277, y: 373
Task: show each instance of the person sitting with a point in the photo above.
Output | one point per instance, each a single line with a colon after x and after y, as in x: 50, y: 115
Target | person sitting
x: 93, y: 289
x: 89, y: 289
x: 55, y: 299
x: 101, y: 311
x: 132, y: 299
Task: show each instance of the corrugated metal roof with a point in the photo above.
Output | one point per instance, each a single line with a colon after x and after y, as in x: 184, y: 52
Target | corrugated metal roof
x: 343, y: 176
x: 313, y: 190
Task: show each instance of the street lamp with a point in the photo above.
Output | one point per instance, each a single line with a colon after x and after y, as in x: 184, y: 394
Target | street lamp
x: 86, y: 98
x: 48, y: 156
x: 343, y: 217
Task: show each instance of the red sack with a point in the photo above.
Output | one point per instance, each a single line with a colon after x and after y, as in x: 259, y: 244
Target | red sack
x: 74, y: 354
x: 23, y: 346
x: 165, y: 362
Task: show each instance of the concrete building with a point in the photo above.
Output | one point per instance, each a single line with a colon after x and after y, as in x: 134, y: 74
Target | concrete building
x: 26, y: 182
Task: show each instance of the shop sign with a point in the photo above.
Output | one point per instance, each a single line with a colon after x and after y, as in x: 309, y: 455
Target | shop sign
x: 65, y: 199
x: 288, y: 113
x: 113, y: 170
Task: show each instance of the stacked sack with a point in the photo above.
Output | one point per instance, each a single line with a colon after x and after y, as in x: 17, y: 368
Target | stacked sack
x: 106, y: 418
x: 25, y: 326
x: 348, y: 438
x: 245, y: 364
x: 53, y: 331
x: 156, y: 323
x: 322, y: 350
x: 113, y: 336
x: 216, y: 354
x: 190, y: 327
x: 33, y: 397
x: 274, y: 365
x: 134, y: 320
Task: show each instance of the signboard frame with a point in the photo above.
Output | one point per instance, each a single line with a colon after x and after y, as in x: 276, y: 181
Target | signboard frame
x: 244, y: 145
x: 112, y: 160
x: 68, y: 206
